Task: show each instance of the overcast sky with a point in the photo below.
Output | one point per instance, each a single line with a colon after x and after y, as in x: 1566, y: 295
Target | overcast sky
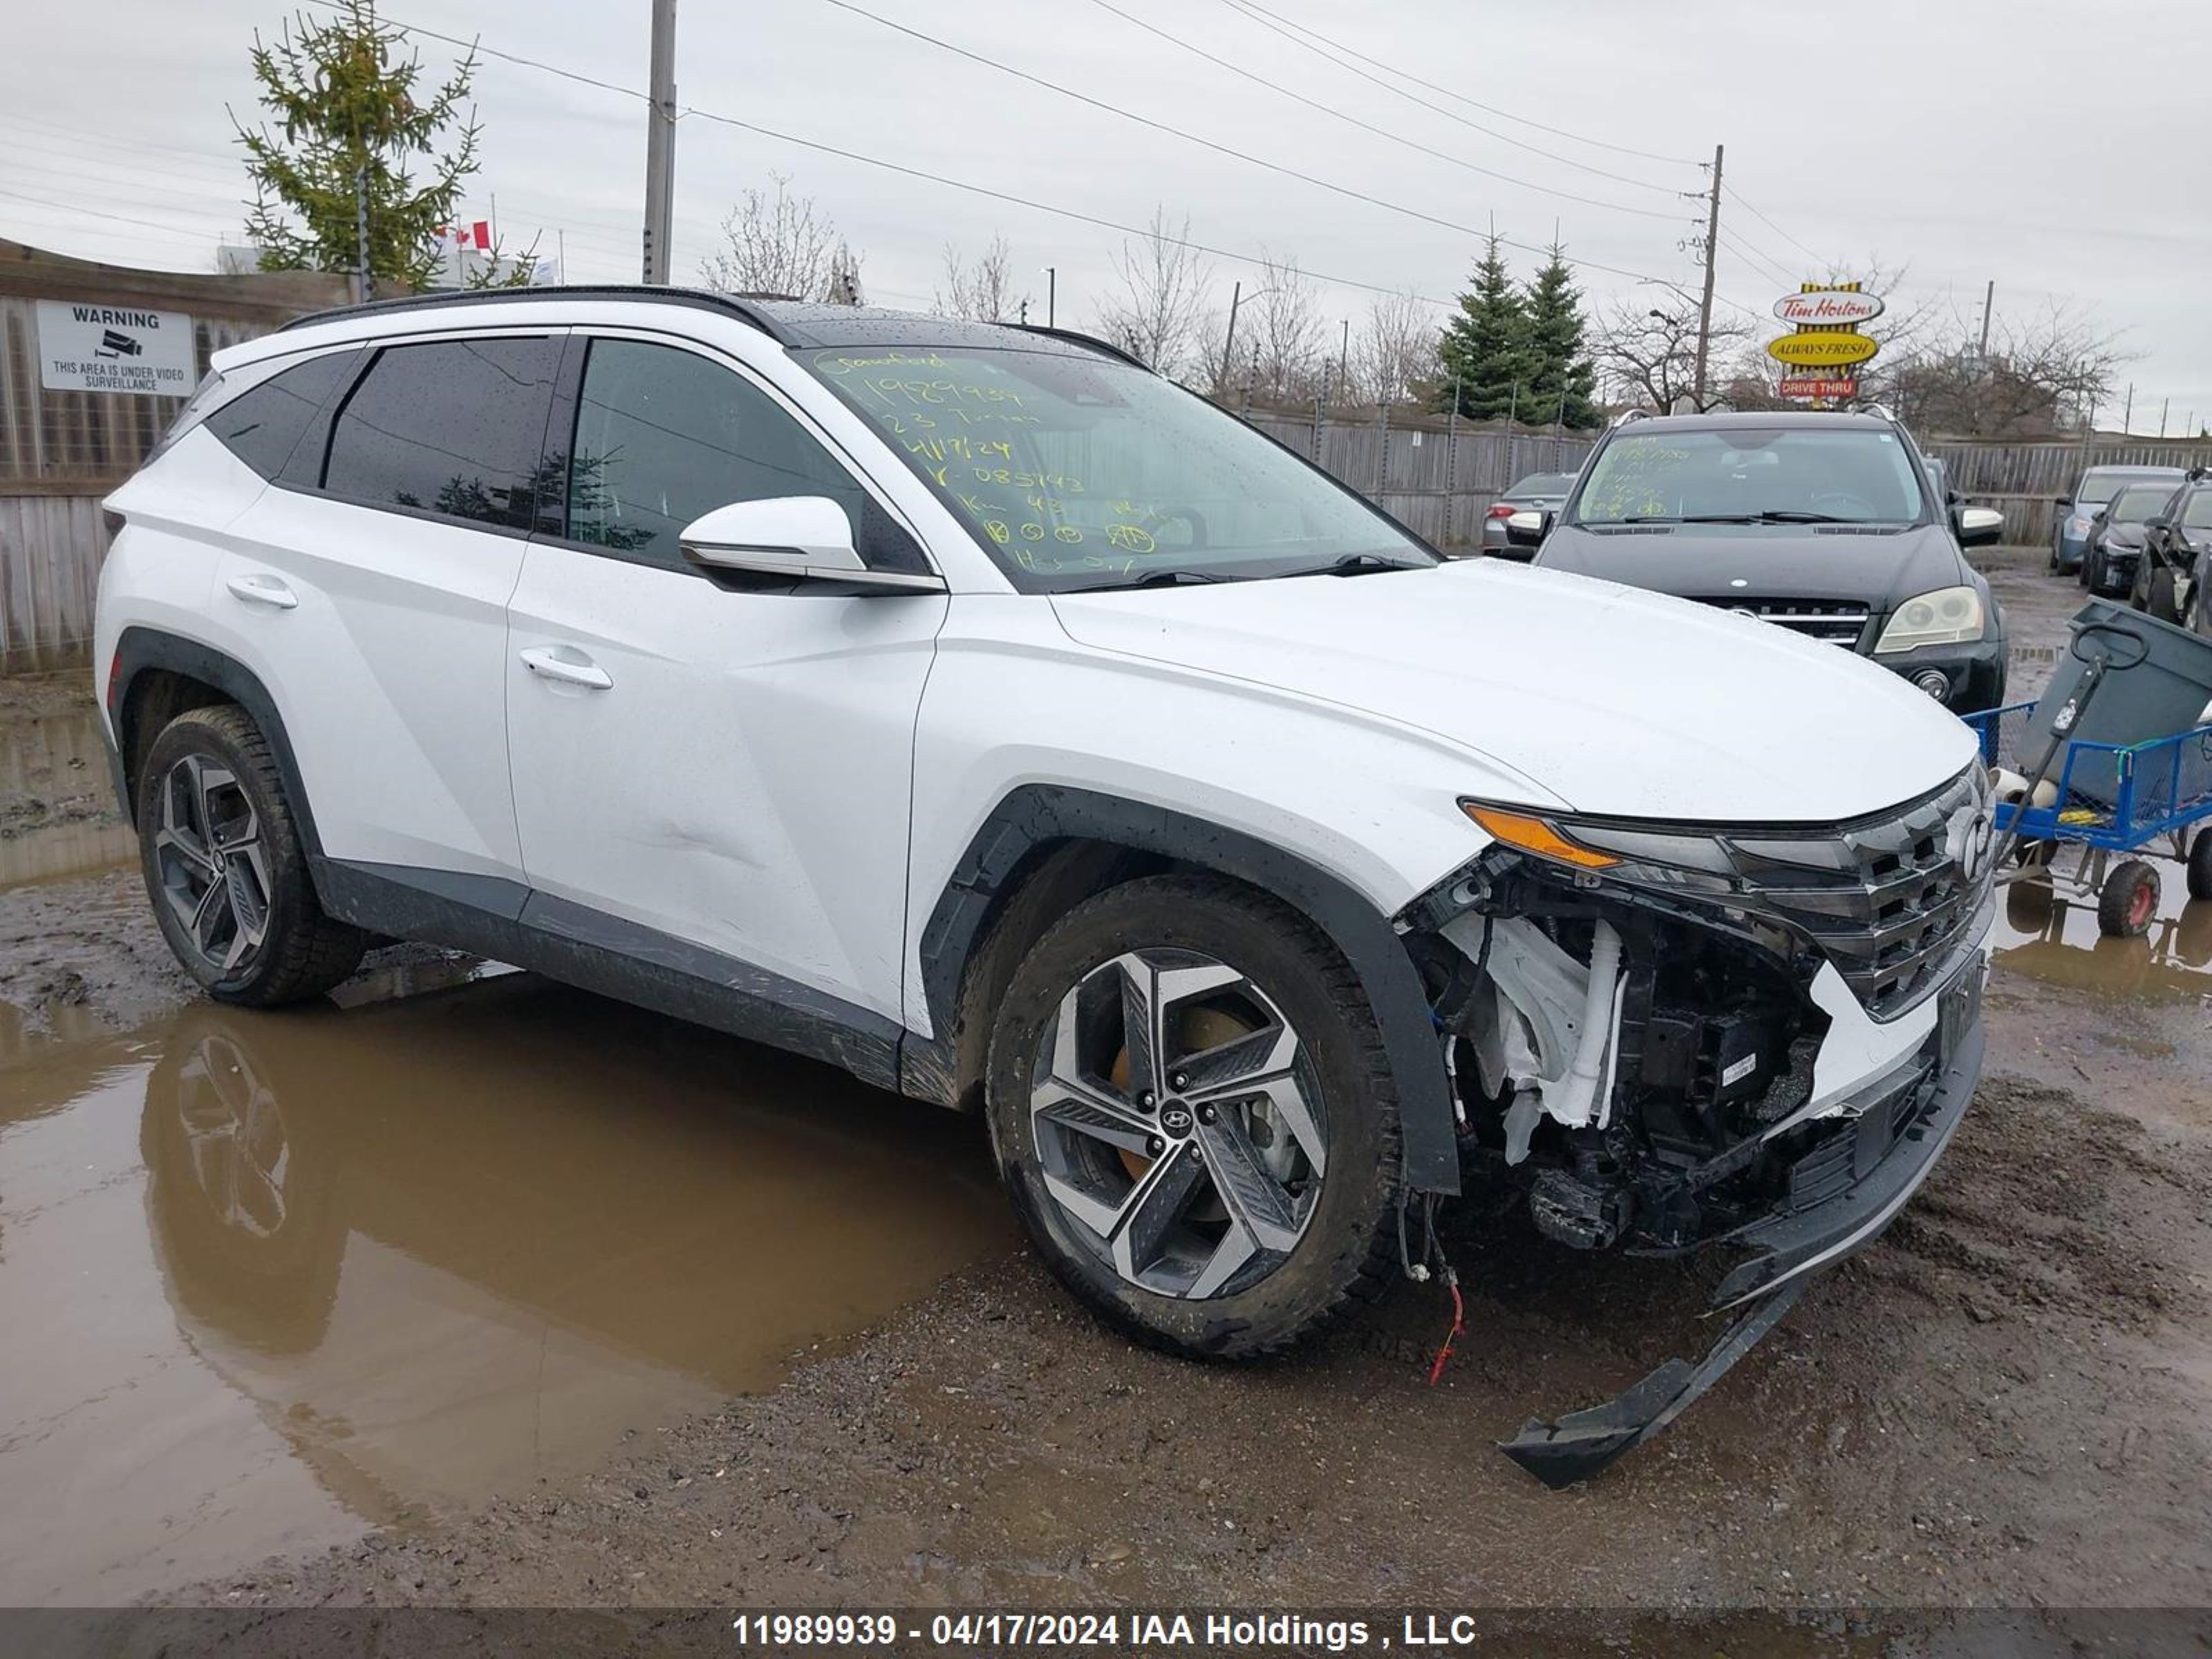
x: 2065, y: 149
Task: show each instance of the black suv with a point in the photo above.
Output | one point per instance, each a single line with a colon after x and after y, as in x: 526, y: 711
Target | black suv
x: 2177, y: 556
x: 1829, y: 524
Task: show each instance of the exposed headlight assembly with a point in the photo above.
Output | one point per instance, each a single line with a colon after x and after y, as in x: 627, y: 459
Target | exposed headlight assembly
x: 1684, y: 860
x: 1949, y: 616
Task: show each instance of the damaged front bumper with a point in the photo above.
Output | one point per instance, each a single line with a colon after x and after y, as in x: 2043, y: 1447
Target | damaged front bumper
x: 1895, y: 1144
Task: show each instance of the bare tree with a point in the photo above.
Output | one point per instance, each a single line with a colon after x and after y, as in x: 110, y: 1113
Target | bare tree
x: 2043, y: 374
x: 1646, y: 351
x: 983, y: 292
x: 1154, y: 313
x: 1393, y: 358
x: 775, y: 243
x: 1282, y: 321
x: 843, y: 286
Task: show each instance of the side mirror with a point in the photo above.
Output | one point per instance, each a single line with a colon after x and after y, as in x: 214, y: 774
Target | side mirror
x: 2061, y: 501
x: 1980, y: 526
x: 806, y: 536
x: 1528, y: 528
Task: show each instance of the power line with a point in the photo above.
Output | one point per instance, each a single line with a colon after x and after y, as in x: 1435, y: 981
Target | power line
x: 1225, y: 150
x: 1330, y: 109
x: 175, y: 231
x: 1737, y: 196
x: 1251, y: 6
x: 478, y: 47
x: 1767, y: 266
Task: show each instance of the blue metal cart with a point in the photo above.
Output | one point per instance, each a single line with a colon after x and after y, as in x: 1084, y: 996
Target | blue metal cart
x: 2138, y: 795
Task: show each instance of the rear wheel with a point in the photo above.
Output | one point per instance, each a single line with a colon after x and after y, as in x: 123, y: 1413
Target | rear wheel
x: 1189, y: 1104
x: 2128, y: 900
x: 225, y: 868
x: 2200, y: 864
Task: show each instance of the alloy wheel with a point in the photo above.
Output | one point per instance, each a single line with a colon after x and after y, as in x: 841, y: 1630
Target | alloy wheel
x: 209, y: 858
x: 1179, y: 1123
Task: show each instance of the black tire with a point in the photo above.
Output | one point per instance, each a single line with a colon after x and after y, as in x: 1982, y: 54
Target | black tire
x: 2200, y: 864
x: 301, y: 951
x: 1345, y: 1256
x: 2159, y: 604
x: 2029, y: 905
x: 2128, y: 900
x: 2081, y: 571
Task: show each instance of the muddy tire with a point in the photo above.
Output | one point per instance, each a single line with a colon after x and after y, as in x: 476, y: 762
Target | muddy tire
x: 2159, y: 604
x: 225, y: 868
x: 2128, y: 900
x: 2200, y: 864
x: 1189, y: 1104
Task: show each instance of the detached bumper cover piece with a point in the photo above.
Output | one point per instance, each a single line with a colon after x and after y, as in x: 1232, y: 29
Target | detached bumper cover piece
x: 1793, y: 1246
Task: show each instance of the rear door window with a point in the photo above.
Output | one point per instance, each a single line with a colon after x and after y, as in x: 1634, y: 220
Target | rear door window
x: 262, y: 426
x: 455, y: 428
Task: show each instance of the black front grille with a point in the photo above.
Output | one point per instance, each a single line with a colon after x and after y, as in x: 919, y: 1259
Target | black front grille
x: 1890, y: 901
x: 1838, y: 622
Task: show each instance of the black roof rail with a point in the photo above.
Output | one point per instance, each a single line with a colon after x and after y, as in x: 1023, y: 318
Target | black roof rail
x: 1074, y: 337
x: 736, y: 305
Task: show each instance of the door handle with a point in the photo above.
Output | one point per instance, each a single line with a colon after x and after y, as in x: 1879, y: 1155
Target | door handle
x: 257, y: 588
x: 567, y: 666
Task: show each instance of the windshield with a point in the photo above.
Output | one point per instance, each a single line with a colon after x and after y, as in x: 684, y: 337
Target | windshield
x: 2100, y: 485
x: 1076, y: 471
x: 2138, y: 502
x: 1542, y: 483
x: 1744, y: 474
x: 2198, y: 515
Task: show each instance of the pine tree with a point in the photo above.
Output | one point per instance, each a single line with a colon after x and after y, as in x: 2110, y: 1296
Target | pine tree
x: 1484, y: 351
x: 1561, y: 376
x: 343, y: 106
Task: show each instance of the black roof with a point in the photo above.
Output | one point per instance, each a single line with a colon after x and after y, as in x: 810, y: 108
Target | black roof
x: 796, y: 324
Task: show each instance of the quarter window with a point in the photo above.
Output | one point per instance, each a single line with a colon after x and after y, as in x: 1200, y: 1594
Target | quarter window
x: 262, y: 426
x: 663, y: 435
x: 453, y: 427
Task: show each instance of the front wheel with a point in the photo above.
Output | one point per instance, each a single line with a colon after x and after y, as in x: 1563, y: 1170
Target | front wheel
x: 2159, y: 601
x: 2128, y: 900
x: 1189, y: 1103
x: 225, y: 868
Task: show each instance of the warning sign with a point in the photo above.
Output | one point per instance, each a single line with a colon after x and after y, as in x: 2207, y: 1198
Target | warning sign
x: 96, y: 348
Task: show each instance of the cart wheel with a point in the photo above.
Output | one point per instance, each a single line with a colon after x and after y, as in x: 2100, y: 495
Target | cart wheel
x: 2035, y: 854
x: 2200, y: 865
x: 2028, y: 905
x: 2129, y: 900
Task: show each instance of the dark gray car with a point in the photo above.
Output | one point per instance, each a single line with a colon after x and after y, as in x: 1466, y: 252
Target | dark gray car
x: 1540, y: 492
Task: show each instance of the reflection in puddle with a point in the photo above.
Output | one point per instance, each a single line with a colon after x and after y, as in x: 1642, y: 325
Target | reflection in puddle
x: 269, y: 1277
x: 59, y: 818
x: 2054, y: 937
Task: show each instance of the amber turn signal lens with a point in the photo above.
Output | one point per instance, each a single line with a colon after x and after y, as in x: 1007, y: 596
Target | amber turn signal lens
x: 1534, y: 836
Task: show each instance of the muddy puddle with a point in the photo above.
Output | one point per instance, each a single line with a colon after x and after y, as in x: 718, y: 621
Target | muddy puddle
x: 57, y: 806
x: 272, y: 1278
x: 2051, y: 935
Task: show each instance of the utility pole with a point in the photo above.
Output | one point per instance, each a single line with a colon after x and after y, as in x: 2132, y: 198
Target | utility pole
x: 1344, y: 362
x: 1052, y: 296
x: 660, y: 144
x: 1229, y: 345
x: 1712, y: 253
x: 2162, y: 408
x: 364, y: 285
x: 1988, y: 304
x: 2128, y: 412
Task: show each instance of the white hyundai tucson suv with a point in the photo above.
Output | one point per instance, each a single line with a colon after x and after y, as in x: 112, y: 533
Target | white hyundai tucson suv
x: 973, y: 709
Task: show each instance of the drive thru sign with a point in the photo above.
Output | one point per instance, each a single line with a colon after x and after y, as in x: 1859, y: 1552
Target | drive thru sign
x: 97, y: 348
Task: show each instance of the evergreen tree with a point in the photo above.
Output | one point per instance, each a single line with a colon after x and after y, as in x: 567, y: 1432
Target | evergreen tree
x: 343, y: 105
x: 1561, y: 376
x: 1484, y: 351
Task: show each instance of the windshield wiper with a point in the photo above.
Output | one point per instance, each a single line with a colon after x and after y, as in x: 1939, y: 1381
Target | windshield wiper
x: 1150, y: 578
x: 1353, y: 564
x: 1767, y: 515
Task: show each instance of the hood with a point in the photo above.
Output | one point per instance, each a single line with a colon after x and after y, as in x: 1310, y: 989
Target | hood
x: 1617, y: 702
x: 2121, y: 537
x: 1710, y: 560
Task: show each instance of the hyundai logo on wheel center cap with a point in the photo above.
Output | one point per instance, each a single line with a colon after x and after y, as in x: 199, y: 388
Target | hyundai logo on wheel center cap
x: 1175, y: 1118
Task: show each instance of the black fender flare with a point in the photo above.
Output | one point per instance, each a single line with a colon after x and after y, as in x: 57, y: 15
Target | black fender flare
x: 1036, y: 814
x: 139, y: 650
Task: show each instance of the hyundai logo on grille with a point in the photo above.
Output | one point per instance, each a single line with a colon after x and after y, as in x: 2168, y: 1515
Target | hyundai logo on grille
x: 1969, y: 836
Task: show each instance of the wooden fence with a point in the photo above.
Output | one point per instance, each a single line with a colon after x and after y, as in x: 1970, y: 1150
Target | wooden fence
x: 2024, y: 481
x: 1435, y: 474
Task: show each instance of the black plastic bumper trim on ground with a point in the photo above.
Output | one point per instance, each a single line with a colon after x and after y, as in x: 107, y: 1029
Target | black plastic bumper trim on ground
x: 1583, y: 1444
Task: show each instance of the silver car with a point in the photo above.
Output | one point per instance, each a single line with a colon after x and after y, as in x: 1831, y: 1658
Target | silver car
x: 1540, y: 492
